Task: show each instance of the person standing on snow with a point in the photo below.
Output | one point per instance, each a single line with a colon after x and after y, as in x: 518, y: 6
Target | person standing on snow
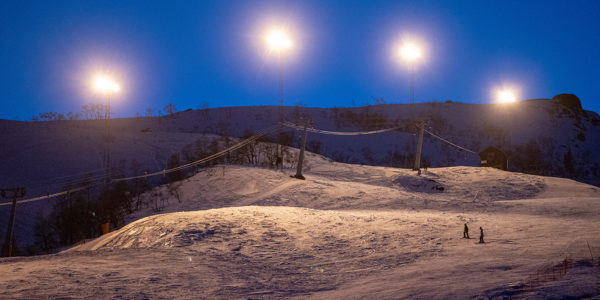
x: 481, y: 235
x: 466, y: 232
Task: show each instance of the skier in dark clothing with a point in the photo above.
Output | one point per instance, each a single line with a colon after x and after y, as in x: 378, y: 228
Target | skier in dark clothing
x: 466, y: 232
x: 481, y: 235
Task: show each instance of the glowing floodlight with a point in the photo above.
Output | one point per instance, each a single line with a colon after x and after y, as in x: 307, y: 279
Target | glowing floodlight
x: 506, y: 96
x: 278, y: 40
x: 410, y: 52
x: 105, y: 85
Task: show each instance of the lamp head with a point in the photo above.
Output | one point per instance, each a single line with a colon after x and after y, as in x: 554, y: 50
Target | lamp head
x: 506, y: 96
x: 105, y: 85
x: 410, y: 52
x: 278, y: 40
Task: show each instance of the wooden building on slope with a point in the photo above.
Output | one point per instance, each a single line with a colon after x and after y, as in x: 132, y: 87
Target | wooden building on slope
x: 493, y: 157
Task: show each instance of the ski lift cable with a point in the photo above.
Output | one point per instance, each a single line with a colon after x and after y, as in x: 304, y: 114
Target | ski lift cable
x: 89, y: 184
x: 213, y: 156
x: 208, y: 158
x: 453, y: 144
x: 221, y: 153
x: 315, y: 130
x: 203, y: 160
x: 80, y: 174
x: 47, y: 196
x: 73, y: 182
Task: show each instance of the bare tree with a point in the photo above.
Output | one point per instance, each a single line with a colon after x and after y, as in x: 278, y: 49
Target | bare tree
x: 249, y: 151
x: 204, y: 108
x: 173, y: 188
x: 72, y: 116
x: 379, y: 101
x: 85, y: 111
x: 94, y: 111
x: 170, y: 109
x: 149, y: 112
x: 48, y: 116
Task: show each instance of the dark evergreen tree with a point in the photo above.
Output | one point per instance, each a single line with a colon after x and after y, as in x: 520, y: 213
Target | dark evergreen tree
x: 175, y: 175
x: 569, y: 164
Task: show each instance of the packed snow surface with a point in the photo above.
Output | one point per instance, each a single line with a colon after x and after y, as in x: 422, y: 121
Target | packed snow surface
x: 537, y: 135
x: 348, y: 231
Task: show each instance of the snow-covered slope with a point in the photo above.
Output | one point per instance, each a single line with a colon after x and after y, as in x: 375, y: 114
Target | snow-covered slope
x: 44, y: 157
x: 348, y: 231
x: 36, y: 151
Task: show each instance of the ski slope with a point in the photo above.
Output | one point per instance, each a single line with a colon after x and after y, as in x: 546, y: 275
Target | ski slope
x: 51, y: 157
x: 347, y: 232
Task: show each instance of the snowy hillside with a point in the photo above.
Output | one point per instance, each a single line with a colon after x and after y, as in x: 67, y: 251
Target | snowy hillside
x: 546, y: 129
x: 537, y: 135
x: 348, y: 231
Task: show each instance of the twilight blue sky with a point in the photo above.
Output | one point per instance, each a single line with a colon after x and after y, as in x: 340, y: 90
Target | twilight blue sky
x: 194, y: 52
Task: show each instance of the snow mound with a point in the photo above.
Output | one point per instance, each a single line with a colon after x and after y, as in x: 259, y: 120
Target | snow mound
x: 490, y: 183
x: 254, y: 229
x: 338, y: 186
x: 419, y: 184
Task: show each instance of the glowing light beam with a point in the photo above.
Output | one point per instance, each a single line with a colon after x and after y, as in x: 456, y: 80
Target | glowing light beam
x: 410, y: 52
x: 278, y: 40
x: 506, y: 96
x: 105, y: 85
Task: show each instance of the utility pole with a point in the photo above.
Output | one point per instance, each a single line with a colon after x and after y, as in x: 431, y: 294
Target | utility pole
x: 301, y: 156
x: 412, y: 84
x: 108, y: 141
x: 279, y: 161
x: 16, y: 193
x: 417, y: 166
x: 278, y: 41
x: 107, y: 86
x: 280, y: 87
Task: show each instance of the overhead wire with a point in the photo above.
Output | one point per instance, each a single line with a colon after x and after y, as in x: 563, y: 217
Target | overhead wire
x: 237, y: 146
x: 451, y: 143
x: 347, y: 133
x: 162, y: 172
x: 203, y: 160
x: 65, y: 180
x: 47, y: 196
x: 311, y: 129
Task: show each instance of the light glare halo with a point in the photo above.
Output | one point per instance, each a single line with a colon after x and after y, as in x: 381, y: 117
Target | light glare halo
x: 278, y: 40
x: 506, y: 96
x: 410, y: 52
x: 104, y: 84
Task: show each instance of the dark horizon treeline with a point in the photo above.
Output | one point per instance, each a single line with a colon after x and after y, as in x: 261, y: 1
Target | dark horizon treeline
x: 97, y: 112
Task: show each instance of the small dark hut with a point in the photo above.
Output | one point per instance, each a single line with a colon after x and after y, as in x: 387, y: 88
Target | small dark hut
x: 493, y: 157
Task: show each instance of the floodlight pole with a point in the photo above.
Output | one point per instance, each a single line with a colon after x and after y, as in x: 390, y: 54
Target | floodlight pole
x: 412, y: 84
x: 280, y: 78
x: 280, y: 100
x: 108, y: 140
x: 108, y: 99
